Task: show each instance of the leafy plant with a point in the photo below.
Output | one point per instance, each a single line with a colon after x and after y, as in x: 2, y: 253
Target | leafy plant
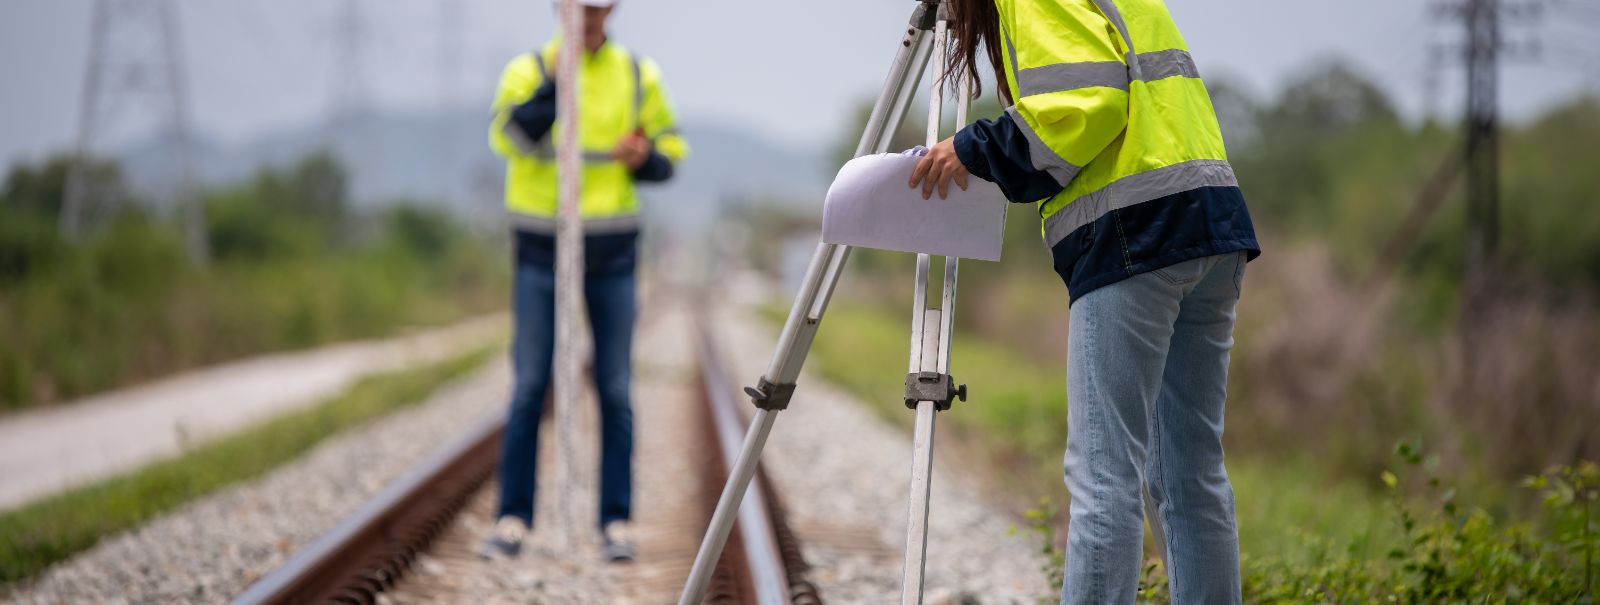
x: 1041, y: 522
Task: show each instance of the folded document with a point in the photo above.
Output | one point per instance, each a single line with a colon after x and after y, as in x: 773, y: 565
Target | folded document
x: 870, y: 205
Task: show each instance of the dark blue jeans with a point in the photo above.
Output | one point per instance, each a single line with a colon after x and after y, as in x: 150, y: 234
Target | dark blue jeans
x: 610, y: 298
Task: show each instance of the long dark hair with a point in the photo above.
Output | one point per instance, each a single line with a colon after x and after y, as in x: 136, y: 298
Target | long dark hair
x: 973, y: 22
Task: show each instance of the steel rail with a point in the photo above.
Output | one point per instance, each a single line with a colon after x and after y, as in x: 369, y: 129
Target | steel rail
x: 757, y: 542
x: 371, y: 548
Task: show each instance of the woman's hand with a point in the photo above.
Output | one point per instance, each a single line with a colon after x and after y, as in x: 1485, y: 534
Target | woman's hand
x: 938, y: 168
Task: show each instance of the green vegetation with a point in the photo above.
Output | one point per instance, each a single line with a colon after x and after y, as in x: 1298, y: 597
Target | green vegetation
x: 1327, y: 375
x: 33, y: 537
x: 293, y: 265
x: 1306, y: 534
x: 1325, y: 363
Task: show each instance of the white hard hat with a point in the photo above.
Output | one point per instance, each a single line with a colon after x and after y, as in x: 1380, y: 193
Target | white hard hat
x: 596, y: 3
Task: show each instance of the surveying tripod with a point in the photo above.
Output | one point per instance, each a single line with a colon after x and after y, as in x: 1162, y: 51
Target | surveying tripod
x: 929, y: 386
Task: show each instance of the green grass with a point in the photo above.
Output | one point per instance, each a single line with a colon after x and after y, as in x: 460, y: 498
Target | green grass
x: 1290, y: 509
x: 50, y: 530
x: 865, y: 350
x: 1018, y: 407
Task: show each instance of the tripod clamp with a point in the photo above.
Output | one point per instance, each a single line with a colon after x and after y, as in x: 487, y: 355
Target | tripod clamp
x: 768, y: 396
x: 941, y: 389
x: 927, y: 13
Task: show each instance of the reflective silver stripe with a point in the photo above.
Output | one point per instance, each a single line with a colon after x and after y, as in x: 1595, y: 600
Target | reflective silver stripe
x: 1060, y: 77
x: 1041, y: 155
x: 1135, y: 189
x: 1111, y: 74
x: 543, y: 151
x: 1071, y: 76
x: 520, y: 139
x: 1167, y: 63
x: 638, y: 90
x: 546, y: 225
x: 1109, y: 9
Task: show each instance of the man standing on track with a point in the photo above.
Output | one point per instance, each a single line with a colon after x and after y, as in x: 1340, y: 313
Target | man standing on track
x: 628, y: 134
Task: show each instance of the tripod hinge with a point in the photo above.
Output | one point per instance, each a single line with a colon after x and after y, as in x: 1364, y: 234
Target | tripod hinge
x: 768, y: 396
x: 926, y: 14
x: 941, y: 389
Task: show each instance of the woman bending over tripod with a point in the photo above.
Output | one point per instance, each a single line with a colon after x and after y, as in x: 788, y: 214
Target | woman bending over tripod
x: 1110, y: 131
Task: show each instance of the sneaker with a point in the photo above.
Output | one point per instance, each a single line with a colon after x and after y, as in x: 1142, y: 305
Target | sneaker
x: 506, y: 540
x: 617, y: 541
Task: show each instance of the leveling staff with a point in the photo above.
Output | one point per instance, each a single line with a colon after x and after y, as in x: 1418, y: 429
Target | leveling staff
x: 628, y: 133
x: 1110, y: 130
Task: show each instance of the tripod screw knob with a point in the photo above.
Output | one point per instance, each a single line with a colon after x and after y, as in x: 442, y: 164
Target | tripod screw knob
x: 961, y: 392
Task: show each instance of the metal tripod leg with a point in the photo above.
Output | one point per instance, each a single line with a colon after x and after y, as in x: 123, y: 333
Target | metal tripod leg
x: 794, y: 343
x: 930, y: 352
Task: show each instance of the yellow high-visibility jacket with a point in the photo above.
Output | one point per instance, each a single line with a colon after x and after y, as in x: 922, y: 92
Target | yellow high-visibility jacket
x: 621, y: 93
x: 1114, y: 136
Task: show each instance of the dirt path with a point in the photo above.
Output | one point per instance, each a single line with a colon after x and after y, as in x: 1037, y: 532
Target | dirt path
x: 49, y: 450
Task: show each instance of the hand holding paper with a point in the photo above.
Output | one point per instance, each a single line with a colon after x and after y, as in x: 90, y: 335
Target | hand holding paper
x: 871, y: 205
x: 938, y: 167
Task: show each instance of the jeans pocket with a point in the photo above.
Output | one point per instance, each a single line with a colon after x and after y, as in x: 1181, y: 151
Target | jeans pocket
x: 1182, y: 274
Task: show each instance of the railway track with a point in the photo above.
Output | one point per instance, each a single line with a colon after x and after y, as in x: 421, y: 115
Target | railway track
x: 416, y: 519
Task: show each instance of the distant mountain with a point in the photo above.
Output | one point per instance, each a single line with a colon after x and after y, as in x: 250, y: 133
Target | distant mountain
x: 444, y: 158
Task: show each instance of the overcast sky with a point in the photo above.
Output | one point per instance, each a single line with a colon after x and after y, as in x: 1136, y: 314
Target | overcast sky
x: 789, y: 70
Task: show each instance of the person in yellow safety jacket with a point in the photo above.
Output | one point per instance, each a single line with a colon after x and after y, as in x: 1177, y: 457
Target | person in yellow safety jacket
x: 1109, y: 129
x: 629, y: 135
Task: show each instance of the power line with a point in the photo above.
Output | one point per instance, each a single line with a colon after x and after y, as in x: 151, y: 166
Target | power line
x: 136, y: 65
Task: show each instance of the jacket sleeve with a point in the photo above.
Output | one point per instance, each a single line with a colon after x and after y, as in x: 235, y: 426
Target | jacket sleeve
x: 1071, y: 94
x: 658, y: 119
x: 537, y: 115
x: 518, y: 82
x: 655, y: 169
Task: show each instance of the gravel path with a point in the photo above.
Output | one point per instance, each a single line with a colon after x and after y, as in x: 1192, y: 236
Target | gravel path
x: 846, y: 504
x: 841, y: 472
x: 211, y: 549
x: 853, y: 471
x: 48, y: 450
x: 669, y: 515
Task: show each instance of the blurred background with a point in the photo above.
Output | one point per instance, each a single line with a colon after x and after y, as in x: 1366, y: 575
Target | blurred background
x: 188, y: 183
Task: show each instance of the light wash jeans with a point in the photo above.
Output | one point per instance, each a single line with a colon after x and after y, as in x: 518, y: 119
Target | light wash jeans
x: 1147, y: 372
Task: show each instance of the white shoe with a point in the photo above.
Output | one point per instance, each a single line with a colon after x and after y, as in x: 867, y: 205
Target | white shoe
x: 506, y: 540
x: 617, y: 540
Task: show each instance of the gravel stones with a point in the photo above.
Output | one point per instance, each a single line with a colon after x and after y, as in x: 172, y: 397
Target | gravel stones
x: 211, y: 549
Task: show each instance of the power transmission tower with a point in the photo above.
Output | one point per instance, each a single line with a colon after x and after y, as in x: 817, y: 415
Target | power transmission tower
x: 351, y: 92
x: 1483, y: 47
x: 351, y: 131
x: 1482, y: 129
x: 135, y: 68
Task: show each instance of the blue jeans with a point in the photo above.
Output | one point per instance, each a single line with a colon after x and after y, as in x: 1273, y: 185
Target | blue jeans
x: 610, y: 299
x: 1147, y: 372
